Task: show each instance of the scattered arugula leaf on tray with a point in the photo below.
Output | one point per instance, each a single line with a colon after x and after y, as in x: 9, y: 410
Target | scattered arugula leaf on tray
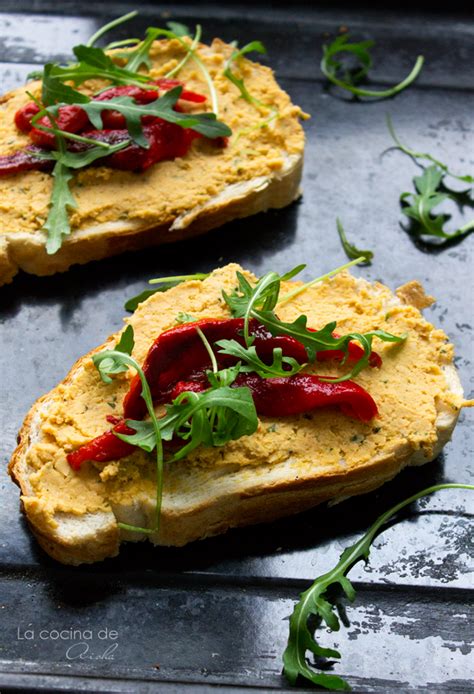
x: 350, y: 250
x: 335, y: 70
x: 420, y: 205
x: 430, y: 191
x: 465, y: 178
x: 317, y: 603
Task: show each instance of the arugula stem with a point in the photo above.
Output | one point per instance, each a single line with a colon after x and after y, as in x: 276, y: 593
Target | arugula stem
x: 205, y: 72
x: 209, y: 349
x: 111, y: 25
x: 71, y: 136
x: 306, y: 286
x: 422, y: 155
x: 464, y: 228
x: 180, y: 278
x: 146, y: 395
x: 384, y: 94
x: 121, y: 44
x: 196, y: 39
x: 344, y: 565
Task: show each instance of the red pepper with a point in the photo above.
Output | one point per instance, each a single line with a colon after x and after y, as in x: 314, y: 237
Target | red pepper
x: 273, y: 397
x: 179, y: 352
x: 283, y: 397
x: 72, y: 119
x: 166, y: 84
x: 167, y: 141
x: 103, y: 448
x: 177, y: 362
x: 24, y: 115
x: 24, y: 160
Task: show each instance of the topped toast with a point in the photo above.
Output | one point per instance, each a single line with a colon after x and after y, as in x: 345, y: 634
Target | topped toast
x: 218, y: 140
x: 82, y: 498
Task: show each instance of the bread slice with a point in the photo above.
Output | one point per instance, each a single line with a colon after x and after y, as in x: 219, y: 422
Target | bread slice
x: 121, y: 211
x: 288, y: 465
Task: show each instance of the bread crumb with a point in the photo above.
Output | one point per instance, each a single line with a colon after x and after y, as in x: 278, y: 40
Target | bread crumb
x: 413, y: 293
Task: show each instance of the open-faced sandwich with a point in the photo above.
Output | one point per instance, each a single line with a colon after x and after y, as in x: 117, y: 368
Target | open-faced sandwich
x: 138, y: 145
x: 228, y: 401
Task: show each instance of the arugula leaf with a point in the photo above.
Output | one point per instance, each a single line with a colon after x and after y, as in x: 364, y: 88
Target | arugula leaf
x: 204, y: 123
x: 420, y: 206
x: 178, y: 29
x: 140, y: 56
x: 323, y: 339
x: 57, y: 224
x: 54, y: 90
x: 132, y: 304
x: 167, y: 283
x: 144, y: 437
x: 316, y: 602
x: 211, y: 418
x: 77, y: 160
x: 332, y: 67
x: 114, y: 365
x: 264, y: 294
x: 239, y: 81
x: 184, y: 317
x: 467, y: 178
x: 126, y: 342
x: 249, y: 356
x: 350, y: 250
x: 94, y: 64
x: 259, y: 301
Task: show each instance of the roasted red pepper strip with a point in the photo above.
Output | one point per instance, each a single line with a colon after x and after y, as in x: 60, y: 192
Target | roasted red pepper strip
x: 273, y: 397
x: 24, y: 115
x: 24, y: 160
x: 282, y: 397
x: 185, y: 95
x: 177, y: 362
x: 72, y: 119
x: 103, y: 448
x: 167, y: 141
x: 179, y: 352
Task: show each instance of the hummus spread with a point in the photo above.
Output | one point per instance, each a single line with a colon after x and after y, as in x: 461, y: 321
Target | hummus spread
x: 412, y: 389
x: 170, y: 188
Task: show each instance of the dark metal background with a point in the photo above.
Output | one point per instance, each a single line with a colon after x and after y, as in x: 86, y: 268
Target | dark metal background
x: 215, y: 612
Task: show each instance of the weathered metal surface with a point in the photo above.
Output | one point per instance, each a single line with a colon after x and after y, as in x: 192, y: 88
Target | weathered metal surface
x: 214, y: 612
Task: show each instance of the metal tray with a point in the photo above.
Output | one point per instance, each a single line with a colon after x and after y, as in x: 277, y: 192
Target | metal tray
x: 214, y: 613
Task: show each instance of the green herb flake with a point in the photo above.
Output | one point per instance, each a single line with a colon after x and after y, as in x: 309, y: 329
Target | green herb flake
x: 184, y: 317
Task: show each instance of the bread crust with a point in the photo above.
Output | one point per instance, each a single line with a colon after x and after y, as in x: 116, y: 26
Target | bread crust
x: 271, y: 491
x: 28, y: 253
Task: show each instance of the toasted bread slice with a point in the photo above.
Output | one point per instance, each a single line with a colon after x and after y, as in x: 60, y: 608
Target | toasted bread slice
x: 289, y: 464
x: 118, y: 211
